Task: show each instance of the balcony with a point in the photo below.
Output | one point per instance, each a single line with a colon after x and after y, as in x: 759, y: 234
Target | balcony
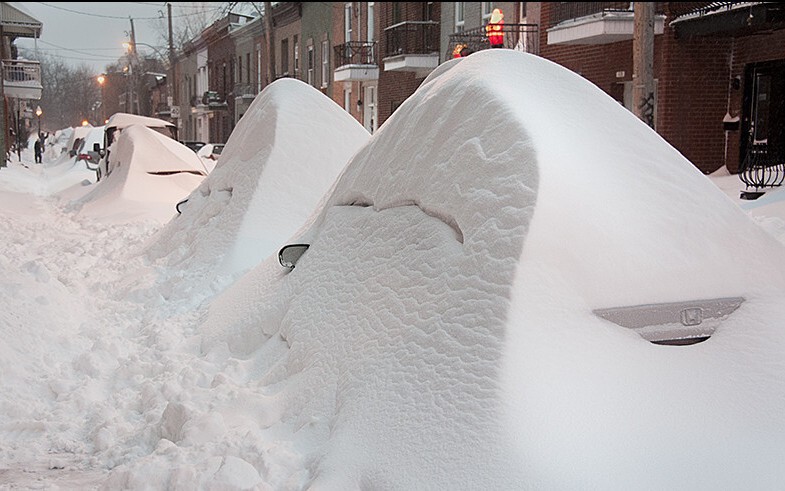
x: 595, y: 23
x: 22, y: 79
x: 356, y: 62
x: 412, y: 46
x: 727, y: 18
x: 244, y: 92
x: 521, y: 37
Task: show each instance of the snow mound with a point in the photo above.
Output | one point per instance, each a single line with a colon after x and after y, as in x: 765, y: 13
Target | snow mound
x: 151, y: 173
x: 439, y: 331
x: 279, y: 162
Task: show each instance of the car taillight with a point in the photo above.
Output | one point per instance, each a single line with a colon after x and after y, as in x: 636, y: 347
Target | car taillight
x: 84, y: 156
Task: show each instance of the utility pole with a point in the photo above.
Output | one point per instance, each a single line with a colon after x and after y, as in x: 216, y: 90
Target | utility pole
x: 132, y: 72
x: 175, y: 114
x: 643, y: 62
x: 270, y: 38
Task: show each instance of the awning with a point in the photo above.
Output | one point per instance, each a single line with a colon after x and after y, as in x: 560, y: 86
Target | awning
x: 730, y: 18
x: 15, y: 21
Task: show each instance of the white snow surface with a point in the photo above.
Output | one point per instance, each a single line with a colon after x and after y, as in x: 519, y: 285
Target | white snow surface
x: 281, y: 159
x: 438, y: 334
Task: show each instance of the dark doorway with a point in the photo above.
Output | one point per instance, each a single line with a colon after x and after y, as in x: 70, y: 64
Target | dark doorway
x: 763, y: 123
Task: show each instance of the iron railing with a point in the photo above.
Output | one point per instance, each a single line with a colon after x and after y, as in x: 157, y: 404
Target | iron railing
x: 573, y: 10
x: 412, y: 38
x: 356, y: 53
x: 762, y: 168
x: 523, y: 37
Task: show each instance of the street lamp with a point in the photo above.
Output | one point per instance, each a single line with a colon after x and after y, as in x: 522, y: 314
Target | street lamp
x: 101, y: 79
x: 39, y: 112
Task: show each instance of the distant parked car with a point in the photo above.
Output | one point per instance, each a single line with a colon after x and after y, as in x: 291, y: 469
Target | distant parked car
x: 209, y: 154
x: 120, y: 121
x: 193, y: 145
x: 87, y: 151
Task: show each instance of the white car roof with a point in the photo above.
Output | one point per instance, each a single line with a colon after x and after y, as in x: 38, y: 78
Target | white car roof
x: 123, y: 120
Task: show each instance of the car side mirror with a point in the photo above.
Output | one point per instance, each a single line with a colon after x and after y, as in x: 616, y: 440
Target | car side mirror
x: 96, y: 147
x: 290, y: 254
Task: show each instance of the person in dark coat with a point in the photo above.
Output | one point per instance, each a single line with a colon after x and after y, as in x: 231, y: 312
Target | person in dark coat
x: 38, y: 151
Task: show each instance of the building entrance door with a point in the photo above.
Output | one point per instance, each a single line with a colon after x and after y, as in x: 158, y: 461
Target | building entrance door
x: 763, y: 124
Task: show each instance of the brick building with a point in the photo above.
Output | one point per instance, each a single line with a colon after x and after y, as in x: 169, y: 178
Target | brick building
x: 710, y: 59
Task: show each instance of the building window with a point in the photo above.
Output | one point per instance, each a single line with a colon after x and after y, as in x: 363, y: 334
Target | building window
x: 347, y: 99
x: 284, y: 57
x: 347, y: 21
x: 248, y: 68
x: 371, y: 21
x: 310, y: 62
x: 240, y: 69
x: 459, y: 16
x: 396, y: 12
x: 296, y: 59
x: 325, y: 64
x: 258, y: 67
x: 487, y: 9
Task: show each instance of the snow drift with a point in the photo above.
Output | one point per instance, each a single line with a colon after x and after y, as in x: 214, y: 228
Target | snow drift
x: 280, y: 160
x: 439, y: 331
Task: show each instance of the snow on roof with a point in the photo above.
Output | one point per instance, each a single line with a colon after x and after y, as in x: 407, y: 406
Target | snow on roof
x: 439, y: 331
x: 280, y: 160
x: 122, y: 120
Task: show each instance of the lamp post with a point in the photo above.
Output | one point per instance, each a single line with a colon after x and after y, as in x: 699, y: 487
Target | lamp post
x: 39, y: 112
x: 101, y: 79
x: 131, y: 47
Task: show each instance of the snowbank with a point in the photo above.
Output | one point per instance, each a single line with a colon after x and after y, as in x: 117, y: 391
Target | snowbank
x: 439, y: 331
x: 279, y: 162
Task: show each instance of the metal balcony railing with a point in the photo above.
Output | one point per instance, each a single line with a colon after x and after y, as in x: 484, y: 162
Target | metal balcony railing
x: 22, y: 78
x: 244, y: 90
x: 523, y: 37
x: 762, y: 168
x: 356, y: 53
x: 412, y: 38
x: 573, y: 10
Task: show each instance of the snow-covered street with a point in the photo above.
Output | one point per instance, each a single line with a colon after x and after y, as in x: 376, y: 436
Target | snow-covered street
x: 440, y: 332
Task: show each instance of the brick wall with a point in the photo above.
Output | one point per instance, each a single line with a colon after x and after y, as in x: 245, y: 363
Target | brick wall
x: 693, y: 75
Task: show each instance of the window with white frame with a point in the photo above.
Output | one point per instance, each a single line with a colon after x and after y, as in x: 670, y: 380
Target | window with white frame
x: 310, y: 62
x: 371, y: 20
x: 459, y: 16
x: 487, y: 9
x: 325, y: 64
x: 296, y: 58
x: 347, y: 21
x: 347, y: 99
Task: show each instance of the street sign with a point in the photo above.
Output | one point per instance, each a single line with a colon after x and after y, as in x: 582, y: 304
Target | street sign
x: 175, y: 112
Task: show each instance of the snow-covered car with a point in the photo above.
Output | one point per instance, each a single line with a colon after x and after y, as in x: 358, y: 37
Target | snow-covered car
x: 116, y: 124
x: 491, y: 287
x: 89, y: 150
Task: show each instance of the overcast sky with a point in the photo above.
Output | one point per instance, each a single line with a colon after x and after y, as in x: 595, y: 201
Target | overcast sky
x: 92, y: 34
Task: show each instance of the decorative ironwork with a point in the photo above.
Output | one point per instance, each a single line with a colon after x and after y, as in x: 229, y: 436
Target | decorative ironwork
x: 563, y: 11
x: 524, y: 37
x: 761, y: 169
x: 412, y: 38
x: 356, y: 53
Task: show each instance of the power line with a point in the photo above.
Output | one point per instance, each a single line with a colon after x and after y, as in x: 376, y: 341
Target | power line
x: 89, y: 14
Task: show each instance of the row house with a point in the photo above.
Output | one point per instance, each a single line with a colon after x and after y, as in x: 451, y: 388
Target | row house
x: 719, y: 73
x: 719, y: 67
x: 20, y: 80
x: 206, y: 85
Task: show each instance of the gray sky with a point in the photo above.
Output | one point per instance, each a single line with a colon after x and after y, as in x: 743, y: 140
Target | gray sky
x: 92, y: 34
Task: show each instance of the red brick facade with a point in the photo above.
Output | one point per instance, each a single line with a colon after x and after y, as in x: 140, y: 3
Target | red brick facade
x: 695, y: 82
